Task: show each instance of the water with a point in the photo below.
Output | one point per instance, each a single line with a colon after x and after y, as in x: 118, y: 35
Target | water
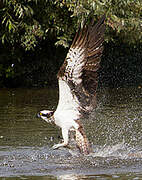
x: 114, y: 130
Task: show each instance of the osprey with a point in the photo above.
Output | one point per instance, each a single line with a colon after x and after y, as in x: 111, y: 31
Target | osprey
x: 77, y: 79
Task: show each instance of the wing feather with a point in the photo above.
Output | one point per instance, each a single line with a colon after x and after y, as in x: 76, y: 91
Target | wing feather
x: 79, y: 70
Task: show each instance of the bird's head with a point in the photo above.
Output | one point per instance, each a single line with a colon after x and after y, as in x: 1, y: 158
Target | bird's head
x: 46, y: 115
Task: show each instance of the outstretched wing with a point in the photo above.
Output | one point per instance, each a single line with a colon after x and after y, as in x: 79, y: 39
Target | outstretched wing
x: 78, y: 74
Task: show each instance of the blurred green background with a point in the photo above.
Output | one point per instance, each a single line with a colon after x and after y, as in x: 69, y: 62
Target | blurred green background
x: 35, y: 36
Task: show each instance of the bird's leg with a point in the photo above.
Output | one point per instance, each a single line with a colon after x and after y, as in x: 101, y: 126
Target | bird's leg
x: 65, y: 138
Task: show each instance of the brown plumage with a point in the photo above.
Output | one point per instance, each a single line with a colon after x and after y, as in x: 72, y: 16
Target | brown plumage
x: 90, y: 40
x: 78, y: 83
x: 82, y: 141
x: 83, y: 83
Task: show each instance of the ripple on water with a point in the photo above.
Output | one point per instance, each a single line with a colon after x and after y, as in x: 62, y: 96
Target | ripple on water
x: 45, y: 161
x: 115, y: 130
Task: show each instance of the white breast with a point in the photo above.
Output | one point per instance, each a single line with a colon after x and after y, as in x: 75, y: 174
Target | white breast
x: 66, y: 118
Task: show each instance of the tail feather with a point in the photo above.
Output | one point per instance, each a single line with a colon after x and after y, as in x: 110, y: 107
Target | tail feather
x: 82, y: 141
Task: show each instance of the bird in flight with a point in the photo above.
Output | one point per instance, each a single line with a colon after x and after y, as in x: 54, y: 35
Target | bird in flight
x: 78, y: 81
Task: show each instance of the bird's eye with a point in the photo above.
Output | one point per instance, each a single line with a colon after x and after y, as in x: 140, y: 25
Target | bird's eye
x: 40, y: 114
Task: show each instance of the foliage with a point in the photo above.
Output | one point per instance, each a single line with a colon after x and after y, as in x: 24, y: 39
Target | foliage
x: 18, y: 25
x: 27, y: 21
x: 26, y: 24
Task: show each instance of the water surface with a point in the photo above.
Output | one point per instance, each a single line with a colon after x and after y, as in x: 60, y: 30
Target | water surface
x: 114, y: 130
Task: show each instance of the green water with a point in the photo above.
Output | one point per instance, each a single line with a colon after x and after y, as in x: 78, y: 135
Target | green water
x: 114, y: 130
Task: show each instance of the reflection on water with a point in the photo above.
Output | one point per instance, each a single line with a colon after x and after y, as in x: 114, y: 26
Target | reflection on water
x: 114, y: 129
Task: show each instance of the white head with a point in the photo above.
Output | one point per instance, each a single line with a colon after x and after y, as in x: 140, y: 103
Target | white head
x: 46, y: 115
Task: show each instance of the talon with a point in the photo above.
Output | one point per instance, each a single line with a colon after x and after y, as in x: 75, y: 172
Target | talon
x: 56, y: 146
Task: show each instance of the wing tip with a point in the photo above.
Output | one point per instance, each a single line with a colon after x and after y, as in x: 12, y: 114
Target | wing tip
x: 82, y: 141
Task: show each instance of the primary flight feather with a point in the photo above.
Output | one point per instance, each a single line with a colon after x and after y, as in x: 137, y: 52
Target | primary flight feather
x: 78, y: 81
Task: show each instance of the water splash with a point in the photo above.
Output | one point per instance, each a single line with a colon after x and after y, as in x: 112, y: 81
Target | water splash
x: 114, y: 129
